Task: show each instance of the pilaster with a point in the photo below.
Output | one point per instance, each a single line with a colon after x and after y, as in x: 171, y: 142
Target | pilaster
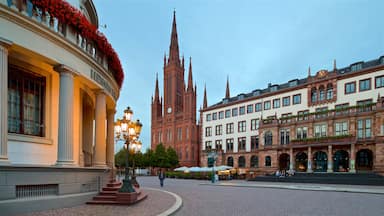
x: 309, y: 169
x: 352, y: 159
x: 101, y: 139
x: 110, y: 137
x: 291, y: 160
x: 330, y: 159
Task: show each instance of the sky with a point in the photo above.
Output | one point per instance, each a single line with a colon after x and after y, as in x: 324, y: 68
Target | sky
x: 253, y: 42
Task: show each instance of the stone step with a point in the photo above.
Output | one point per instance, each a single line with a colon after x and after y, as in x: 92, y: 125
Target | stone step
x: 114, y: 184
x: 141, y: 197
x: 108, y: 192
x: 105, y: 198
x: 111, y: 188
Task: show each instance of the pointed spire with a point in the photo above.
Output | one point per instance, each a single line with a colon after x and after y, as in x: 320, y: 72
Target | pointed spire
x: 205, y: 97
x: 227, y: 95
x: 165, y: 59
x: 157, y: 89
x: 334, y: 65
x: 190, y: 81
x: 309, y: 71
x: 174, y: 47
x: 182, y: 62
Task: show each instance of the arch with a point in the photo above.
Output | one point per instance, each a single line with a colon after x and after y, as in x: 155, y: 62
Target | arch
x: 284, y: 161
x: 321, y: 93
x: 364, y: 159
x: 320, y: 161
x: 301, y: 160
x: 340, y: 161
x: 230, y: 161
x: 268, y: 138
x: 313, y: 95
x: 254, y: 161
x: 268, y: 161
x: 329, y: 91
x: 241, y: 161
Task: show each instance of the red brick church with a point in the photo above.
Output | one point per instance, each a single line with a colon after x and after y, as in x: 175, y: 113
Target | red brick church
x: 174, y: 115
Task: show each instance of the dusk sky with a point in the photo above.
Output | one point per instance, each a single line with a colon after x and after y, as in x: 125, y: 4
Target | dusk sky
x: 252, y: 42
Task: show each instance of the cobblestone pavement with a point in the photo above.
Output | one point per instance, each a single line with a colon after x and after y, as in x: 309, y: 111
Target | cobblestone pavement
x: 210, y: 200
x: 156, y: 203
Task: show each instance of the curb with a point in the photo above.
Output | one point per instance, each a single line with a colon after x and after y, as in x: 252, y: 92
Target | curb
x: 175, y: 207
x: 304, y: 187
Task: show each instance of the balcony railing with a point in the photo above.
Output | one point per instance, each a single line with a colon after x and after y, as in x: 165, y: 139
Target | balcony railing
x: 326, y: 139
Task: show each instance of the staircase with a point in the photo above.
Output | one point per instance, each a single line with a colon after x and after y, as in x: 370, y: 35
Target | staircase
x: 327, y: 178
x: 108, y: 195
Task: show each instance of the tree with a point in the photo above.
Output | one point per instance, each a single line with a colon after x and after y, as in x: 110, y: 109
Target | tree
x: 160, y: 156
x: 120, y: 158
x: 172, y: 157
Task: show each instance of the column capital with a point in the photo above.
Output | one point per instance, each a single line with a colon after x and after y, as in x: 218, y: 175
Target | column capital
x: 61, y: 68
x: 111, y: 111
x: 99, y: 91
x: 5, y: 43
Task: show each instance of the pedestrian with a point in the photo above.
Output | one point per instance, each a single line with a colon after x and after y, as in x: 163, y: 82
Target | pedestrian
x: 161, y: 177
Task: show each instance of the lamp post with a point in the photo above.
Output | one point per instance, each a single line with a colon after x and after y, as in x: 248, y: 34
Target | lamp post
x: 130, y: 131
x: 135, y: 148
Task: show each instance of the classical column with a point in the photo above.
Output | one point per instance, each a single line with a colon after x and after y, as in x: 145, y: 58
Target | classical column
x: 110, y: 137
x: 291, y: 161
x: 330, y: 159
x: 101, y: 139
x: 65, y: 142
x: 4, y: 45
x: 309, y: 167
x: 352, y: 159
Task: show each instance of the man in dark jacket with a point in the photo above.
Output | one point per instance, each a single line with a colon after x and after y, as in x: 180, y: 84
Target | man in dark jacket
x: 161, y: 177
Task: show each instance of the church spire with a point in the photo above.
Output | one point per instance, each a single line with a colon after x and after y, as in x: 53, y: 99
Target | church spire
x: 174, y: 47
x: 190, y: 81
x: 205, y: 98
x: 227, y: 95
x: 157, y: 99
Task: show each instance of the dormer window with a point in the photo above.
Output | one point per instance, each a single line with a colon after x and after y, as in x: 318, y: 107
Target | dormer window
x: 256, y: 93
x: 357, y: 66
x: 273, y: 88
x: 293, y: 83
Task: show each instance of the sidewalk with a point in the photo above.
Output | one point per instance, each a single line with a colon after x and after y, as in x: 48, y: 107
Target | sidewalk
x: 159, y: 202
x: 302, y: 186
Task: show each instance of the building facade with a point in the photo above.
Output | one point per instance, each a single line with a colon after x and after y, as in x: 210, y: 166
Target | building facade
x: 173, y: 120
x: 332, y: 121
x: 60, y: 80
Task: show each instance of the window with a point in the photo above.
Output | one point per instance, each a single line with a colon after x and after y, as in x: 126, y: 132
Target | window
x: 356, y: 67
x: 286, y: 101
x: 364, y: 106
x: 254, y: 142
x: 303, y: 115
x: 187, y: 132
x: 230, y: 161
x: 321, y: 130
x: 229, y: 129
x: 234, y: 112
x: 208, y: 131
x: 219, y: 130
x: 286, y: 117
x: 179, y: 134
x: 329, y: 91
x: 241, y: 161
x: 284, y: 137
x: 221, y: 114
x: 227, y: 113
x: 379, y: 81
x: 241, y: 142
x: 268, y: 162
x: 209, y: 117
x: 267, y: 105
x: 242, y: 126
x: 341, y: 128
x: 255, y: 124
x: 214, y: 116
x: 365, y: 85
x: 229, y: 143
x: 268, y: 138
x: 296, y: 99
x: 364, y: 128
x: 258, y: 107
x: 208, y: 145
x: 26, y: 101
x: 321, y: 112
x: 321, y: 93
x: 350, y: 88
x: 219, y: 144
x: 276, y: 103
x: 341, y: 109
x: 302, y: 133
x: 250, y: 108
x: 314, y: 95
x: 242, y: 110
x: 254, y: 161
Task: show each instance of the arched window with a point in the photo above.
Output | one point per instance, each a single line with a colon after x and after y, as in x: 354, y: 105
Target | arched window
x: 254, y: 161
x: 241, y: 161
x: 268, y: 161
x: 268, y: 138
x: 321, y: 93
x: 329, y: 91
x: 230, y: 161
x: 314, y: 95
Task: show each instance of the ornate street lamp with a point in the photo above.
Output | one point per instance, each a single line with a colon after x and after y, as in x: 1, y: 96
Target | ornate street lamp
x: 130, y: 131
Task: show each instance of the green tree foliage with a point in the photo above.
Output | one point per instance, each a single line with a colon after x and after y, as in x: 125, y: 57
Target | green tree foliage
x: 172, y: 157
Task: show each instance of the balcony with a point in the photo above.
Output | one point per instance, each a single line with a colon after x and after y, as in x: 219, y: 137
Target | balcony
x: 68, y: 23
x: 343, y: 139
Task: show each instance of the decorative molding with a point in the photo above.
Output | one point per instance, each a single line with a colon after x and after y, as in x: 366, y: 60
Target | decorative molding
x: 104, y: 83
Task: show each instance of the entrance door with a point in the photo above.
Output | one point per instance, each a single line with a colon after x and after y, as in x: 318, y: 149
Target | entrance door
x: 364, y: 160
x: 341, y: 161
x: 320, y: 162
x: 284, y: 161
x: 301, y: 162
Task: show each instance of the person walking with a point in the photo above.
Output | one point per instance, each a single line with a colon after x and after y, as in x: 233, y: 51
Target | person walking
x: 161, y: 177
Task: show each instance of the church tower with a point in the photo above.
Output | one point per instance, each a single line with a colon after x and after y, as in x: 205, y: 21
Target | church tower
x: 174, y: 119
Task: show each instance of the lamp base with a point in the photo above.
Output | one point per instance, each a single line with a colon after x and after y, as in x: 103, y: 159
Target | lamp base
x: 127, y: 187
